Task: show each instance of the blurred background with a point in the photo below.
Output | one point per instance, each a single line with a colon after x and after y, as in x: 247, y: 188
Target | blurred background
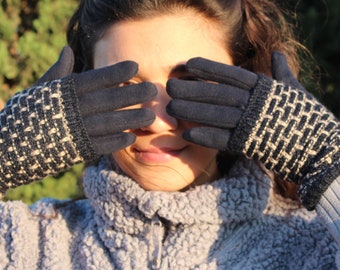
x: 32, y: 33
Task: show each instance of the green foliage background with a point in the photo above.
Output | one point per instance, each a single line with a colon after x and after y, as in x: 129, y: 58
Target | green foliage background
x: 32, y: 33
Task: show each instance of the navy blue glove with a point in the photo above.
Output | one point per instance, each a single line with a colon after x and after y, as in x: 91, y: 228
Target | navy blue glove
x: 280, y: 125
x: 61, y: 121
x: 229, y: 98
x: 281, y: 71
x: 100, y: 100
x: 217, y: 106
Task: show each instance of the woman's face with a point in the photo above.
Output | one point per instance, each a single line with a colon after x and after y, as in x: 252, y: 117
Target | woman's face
x: 161, y: 159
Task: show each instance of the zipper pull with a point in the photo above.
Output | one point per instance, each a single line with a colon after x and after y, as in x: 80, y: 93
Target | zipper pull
x: 157, y: 240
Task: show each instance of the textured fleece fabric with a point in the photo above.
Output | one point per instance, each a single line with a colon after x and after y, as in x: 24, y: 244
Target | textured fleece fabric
x: 236, y: 222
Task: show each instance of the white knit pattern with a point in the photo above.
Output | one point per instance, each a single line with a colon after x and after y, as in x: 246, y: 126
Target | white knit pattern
x: 35, y: 139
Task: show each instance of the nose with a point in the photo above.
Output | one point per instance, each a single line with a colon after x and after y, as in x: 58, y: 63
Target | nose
x: 163, y: 121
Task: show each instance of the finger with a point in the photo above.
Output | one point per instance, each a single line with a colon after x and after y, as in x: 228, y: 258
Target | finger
x: 219, y: 94
x: 206, y: 114
x: 62, y: 68
x: 108, y: 123
x: 281, y: 71
x: 209, y: 137
x: 222, y: 73
x: 104, y: 145
x: 116, y: 98
x: 105, y: 77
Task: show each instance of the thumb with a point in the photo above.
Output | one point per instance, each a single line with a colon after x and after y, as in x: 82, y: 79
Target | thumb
x: 281, y: 71
x: 61, y: 68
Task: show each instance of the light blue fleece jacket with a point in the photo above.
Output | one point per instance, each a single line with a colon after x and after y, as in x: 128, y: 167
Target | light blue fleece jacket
x: 237, y: 222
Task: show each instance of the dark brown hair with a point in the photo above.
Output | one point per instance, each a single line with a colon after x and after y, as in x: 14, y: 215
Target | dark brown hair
x: 254, y: 28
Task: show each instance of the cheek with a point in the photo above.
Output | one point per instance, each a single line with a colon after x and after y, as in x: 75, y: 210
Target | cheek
x: 201, y: 159
x: 124, y: 161
x: 202, y: 155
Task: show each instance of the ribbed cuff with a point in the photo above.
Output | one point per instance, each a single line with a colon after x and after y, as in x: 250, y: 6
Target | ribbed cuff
x: 328, y: 209
x: 74, y: 119
x: 312, y: 187
x: 259, y: 97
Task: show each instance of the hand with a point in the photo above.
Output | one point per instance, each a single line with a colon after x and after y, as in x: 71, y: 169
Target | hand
x: 283, y: 127
x: 59, y: 122
x: 218, y: 104
x: 101, y: 101
x: 229, y: 97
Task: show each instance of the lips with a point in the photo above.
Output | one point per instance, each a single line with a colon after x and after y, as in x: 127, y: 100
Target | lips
x: 157, y: 154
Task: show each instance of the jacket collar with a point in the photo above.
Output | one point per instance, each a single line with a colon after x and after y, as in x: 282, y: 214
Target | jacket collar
x: 120, y: 202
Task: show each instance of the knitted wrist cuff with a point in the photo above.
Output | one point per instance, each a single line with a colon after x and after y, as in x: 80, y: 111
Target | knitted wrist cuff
x: 251, y: 116
x: 75, y: 124
x: 328, y: 208
x: 317, y: 182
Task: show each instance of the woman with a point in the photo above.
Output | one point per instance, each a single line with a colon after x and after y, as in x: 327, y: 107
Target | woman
x: 199, y: 149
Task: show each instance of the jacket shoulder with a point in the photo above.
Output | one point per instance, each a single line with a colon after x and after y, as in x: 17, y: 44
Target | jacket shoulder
x: 41, y: 234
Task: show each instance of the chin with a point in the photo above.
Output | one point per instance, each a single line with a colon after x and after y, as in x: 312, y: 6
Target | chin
x: 181, y: 172
x: 159, y: 183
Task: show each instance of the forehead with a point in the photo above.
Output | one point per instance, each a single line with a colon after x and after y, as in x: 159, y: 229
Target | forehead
x: 163, y: 40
